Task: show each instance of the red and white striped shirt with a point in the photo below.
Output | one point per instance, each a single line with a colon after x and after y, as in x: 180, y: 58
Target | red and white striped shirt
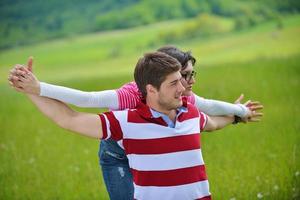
x: 129, y: 96
x: 166, y: 163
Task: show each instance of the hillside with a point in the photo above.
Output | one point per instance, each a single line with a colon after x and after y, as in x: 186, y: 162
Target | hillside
x: 93, y: 54
x: 27, y: 22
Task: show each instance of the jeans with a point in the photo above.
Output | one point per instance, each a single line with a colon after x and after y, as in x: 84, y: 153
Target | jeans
x: 115, y: 171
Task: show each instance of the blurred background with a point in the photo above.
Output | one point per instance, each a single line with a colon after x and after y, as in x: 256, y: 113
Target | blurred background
x: 250, y: 47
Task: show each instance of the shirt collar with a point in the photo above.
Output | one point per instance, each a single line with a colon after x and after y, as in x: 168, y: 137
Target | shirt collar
x: 145, y: 111
x: 157, y: 114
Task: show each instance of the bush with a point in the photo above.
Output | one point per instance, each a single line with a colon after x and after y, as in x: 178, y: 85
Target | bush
x: 204, y: 25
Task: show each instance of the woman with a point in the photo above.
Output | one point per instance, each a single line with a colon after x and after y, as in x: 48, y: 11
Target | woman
x: 114, y: 163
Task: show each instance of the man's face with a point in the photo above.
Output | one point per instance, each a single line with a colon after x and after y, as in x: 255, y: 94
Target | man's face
x: 170, y: 92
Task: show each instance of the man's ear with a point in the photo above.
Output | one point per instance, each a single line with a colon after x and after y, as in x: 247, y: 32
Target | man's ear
x: 151, y: 89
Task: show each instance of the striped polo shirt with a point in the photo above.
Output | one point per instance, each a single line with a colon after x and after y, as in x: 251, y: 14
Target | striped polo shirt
x: 166, y: 163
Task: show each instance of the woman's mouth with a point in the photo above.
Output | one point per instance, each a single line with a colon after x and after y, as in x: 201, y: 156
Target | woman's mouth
x: 178, y: 96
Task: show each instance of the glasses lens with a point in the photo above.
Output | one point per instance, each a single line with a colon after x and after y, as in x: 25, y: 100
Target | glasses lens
x: 188, y: 76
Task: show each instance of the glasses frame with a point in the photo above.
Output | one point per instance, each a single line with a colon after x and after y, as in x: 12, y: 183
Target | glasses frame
x: 188, y: 76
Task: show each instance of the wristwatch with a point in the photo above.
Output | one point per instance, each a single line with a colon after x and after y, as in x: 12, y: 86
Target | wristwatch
x: 237, y: 119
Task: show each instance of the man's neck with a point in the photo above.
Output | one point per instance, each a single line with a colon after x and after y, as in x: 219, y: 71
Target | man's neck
x: 170, y: 113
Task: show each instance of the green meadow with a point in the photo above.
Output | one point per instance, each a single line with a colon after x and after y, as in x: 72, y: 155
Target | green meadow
x: 261, y: 160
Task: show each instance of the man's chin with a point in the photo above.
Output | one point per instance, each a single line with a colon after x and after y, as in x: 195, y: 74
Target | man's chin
x: 179, y: 104
x: 175, y: 104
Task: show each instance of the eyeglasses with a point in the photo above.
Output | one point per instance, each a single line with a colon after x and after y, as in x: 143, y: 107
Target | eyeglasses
x: 188, y: 76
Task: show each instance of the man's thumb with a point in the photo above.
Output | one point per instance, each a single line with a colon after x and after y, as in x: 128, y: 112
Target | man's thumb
x: 239, y: 99
x: 30, y: 63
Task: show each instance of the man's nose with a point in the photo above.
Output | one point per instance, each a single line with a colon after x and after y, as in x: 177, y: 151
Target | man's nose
x: 181, y: 88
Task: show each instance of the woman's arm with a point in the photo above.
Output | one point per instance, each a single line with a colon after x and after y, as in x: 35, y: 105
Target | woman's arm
x: 215, y: 107
x: 100, y: 99
x: 125, y: 97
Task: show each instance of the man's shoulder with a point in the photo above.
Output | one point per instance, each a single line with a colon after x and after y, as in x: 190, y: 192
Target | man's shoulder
x: 190, y: 112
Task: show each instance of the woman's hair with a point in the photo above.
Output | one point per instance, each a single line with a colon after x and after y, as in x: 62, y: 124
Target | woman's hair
x: 182, y: 57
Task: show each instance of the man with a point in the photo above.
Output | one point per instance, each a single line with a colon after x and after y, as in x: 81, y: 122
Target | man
x: 161, y: 138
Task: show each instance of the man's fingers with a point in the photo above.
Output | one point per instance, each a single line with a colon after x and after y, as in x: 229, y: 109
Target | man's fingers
x: 19, y: 72
x: 20, y: 84
x: 254, y: 120
x: 22, y: 79
x: 9, y: 77
x: 239, y: 99
x: 17, y: 66
x: 247, y: 103
x: 257, y: 114
x: 255, y: 103
x: 30, y: 63
x: 15, y: 84
x: 11, y: 83
x: 13, y: 71
x: 14, y: 78
x: 253, y: 108
x: 23, y: 69
x: 19, y: 89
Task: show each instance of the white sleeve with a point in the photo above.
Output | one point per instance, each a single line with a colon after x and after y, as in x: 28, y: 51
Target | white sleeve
x: 101, y: 99
x: 215, y: 107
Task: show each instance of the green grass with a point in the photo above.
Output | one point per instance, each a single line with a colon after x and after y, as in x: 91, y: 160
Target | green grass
x: 41, y: 161
x: 256, y: 158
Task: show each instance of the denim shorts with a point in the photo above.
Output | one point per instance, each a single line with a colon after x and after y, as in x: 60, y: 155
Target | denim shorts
x: 115, y: 170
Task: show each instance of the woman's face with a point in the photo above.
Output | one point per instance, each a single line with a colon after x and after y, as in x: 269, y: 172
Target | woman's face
x: 188, y: 79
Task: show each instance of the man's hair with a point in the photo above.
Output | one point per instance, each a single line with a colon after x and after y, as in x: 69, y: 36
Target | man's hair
x: 153, y: 68
x: 181, y: 56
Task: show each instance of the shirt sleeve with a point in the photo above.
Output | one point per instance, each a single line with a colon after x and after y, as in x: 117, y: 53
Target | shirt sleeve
x: 128, y: 96
x: 203, y: 120
x: 215, y: 107
x: 100, y: 99
x: 110, y: 126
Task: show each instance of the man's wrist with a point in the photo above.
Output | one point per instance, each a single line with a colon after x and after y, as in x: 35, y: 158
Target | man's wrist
x: 236, y: 119
x: 244, y: 110
x: 38, y: 88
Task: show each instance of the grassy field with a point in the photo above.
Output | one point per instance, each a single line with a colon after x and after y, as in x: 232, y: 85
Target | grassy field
x: 247, y: 161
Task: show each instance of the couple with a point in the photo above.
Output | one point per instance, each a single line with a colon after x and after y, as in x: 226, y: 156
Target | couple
x: 160, y: 137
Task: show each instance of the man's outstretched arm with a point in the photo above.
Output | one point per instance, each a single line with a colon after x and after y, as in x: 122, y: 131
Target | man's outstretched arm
x: 218, y: 122
x: 83, y: 123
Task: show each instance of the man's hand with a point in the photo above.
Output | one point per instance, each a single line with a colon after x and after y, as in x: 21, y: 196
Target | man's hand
x: 23, y: 80
x: 253, y: 107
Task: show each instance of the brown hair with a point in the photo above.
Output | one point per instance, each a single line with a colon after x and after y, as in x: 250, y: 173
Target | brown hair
x: 153, y: 68
x: 181, y: 56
